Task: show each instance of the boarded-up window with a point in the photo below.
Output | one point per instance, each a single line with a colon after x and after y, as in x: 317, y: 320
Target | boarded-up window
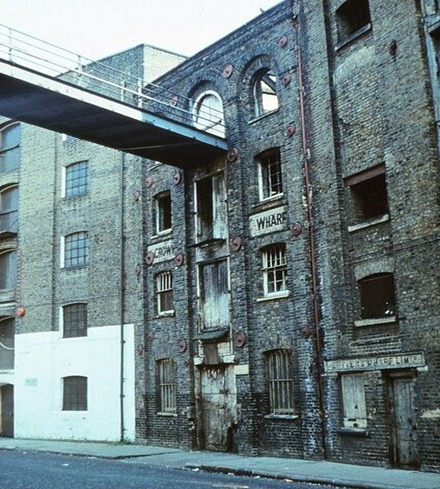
x: 7, y: 341
x: 10, y: 148
x: 377, y: 296
x: 280, y: 382
x: 75, y: 393
x: 265, y: 93
x: 353, y: 400
x: 8, y: 270
x: 214, y: 294
x: 164, y: 292
x: 8, y: 210
x: 211, y: 208
x: 167, y: 386
x: 74, y: 320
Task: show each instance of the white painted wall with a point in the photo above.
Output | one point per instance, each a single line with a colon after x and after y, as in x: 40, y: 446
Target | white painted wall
x: 43, y: 359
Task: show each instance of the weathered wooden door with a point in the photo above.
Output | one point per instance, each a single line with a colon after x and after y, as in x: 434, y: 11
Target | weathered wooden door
x: 405, y: 434
x: 7, y: 411
x: 218, y: 407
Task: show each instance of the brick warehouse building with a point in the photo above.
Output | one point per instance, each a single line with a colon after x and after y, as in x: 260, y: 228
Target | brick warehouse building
x: 287, y: 300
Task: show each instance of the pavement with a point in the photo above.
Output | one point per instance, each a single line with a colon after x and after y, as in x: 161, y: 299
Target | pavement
x: 318, y: 472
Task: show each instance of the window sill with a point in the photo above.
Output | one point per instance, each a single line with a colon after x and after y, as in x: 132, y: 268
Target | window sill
x: 377, y: 321
x: 168, y: 314
x: 281, y: 417
x: 269, y: 202
x: 67, y: 198
x: 167, y: 415
x: 353, y: 37
x: 209, y: 242
x: 161, y: 234
x: 366, y: 224
x: 279, y: 295
x: 363, y: 432
x: 74, y: 337
x: 263, y: 116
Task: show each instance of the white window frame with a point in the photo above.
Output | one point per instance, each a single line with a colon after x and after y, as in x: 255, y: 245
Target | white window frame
x: 63, y: 250
x: 353, y: 401
x: 64, y: 179
x: 258, y: 95
x: 206, y: 121
x: 262, y: 163
x: 164, y: 284
x: 158, y: 210
x: 270, y: 266
x: 61, y: 320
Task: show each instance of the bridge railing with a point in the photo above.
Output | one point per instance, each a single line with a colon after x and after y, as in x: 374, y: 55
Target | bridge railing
x: 48, y: 59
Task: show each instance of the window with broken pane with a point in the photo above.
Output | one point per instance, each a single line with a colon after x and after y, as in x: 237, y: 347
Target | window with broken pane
x: 265, y: 93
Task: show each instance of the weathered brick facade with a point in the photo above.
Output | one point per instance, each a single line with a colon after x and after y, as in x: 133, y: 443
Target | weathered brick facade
x: 287, y: 304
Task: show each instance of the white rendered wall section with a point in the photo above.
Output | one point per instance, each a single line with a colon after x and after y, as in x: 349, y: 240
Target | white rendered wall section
x: 41, y: 362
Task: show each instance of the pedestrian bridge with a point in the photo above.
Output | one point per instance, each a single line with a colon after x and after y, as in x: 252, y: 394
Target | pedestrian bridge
x: 56, y: 89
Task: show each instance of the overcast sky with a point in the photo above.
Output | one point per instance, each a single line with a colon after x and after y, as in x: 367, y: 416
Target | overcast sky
x: 97, y: 28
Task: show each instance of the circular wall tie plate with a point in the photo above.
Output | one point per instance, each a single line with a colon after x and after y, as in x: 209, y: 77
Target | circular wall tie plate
x: 282, y: 42
x: 149, y: 259
x: 177, y: 178
x: 182, y: 346
x: 240, y: 340
x: 232, y: 155
x: 149, y: 182
x: 236, y: 243
x: 227, y: 71
x: 290, y: 130
x: 287, y: 79
x: 297, y: 229
x: 179, y: 259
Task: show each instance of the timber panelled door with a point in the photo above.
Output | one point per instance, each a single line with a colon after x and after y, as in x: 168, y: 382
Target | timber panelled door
x: 7, y: 411
x: 218, y: 407
x: 404, y: 429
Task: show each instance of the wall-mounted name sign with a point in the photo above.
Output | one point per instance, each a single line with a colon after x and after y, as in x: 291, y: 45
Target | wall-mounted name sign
x: 376, y: 363
x: 162, y: 251
x: 268, y: 221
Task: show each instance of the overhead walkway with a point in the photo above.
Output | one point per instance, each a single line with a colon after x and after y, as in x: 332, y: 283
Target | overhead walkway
x: 50, y: 87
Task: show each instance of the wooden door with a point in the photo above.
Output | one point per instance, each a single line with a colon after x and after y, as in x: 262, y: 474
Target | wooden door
x: 7, y: 411
x: 218, y: 408
x: 405, y: 430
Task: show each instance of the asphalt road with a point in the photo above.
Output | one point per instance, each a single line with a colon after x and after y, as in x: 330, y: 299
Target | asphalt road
x: 36, y: 470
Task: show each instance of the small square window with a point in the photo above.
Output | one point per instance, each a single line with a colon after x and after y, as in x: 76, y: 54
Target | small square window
x: 274, y: 269
x: 280, y: 382
x: 167, y: 386
x: 75, y: 393
x: 76, y: 249
x: 351, y: 16
x: 74, y: 320
x: 353, y: 401
x: 164, y: 292
x: 77, y: 176
x: 271, y: 183
x: 163, y: 212
x: 377, y: 296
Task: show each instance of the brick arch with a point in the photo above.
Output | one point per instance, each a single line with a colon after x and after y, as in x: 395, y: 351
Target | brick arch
x: 364, y: 270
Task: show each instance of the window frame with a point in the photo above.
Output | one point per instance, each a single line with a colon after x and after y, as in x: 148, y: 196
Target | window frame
x: 268, y: 268
x: 76, y: 401
x: 166, y: 387
x: 388, y: 293
x: 67, y: 191
x: 279, y: 383
x: 10, y: 212
x: 352, y: 388
x: 258, y: 97
x: 267, y: 161
x: 162, y: 213
x: 205, y: 122
x: 7, y: 284
x: 346, y: 25
x: 72, y: 330
x: 164, y: 286
x: 5, y: 150
x: 65, y: 260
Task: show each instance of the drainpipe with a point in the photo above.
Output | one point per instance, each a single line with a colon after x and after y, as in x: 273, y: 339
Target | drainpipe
x: 313, y: 269
x: 122, y: 296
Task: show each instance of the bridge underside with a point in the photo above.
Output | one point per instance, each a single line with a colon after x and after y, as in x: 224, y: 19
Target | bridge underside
x: 47, y: 102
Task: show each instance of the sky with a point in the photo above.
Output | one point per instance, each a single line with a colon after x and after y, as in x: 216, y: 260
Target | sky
x: 97, y: 28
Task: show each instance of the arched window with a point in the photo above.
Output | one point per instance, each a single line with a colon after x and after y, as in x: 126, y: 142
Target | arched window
x: 10, y: 148
x: 8, y: 269
x: 264, y: 93
x: 377, y: 296
x: 208, y: 113
x: 9, y: 210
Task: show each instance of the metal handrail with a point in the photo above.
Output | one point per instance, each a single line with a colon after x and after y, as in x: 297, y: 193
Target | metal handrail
x: 33, y: 53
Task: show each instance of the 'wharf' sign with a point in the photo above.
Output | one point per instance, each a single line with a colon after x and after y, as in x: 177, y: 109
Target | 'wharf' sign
x: 268, y: 221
